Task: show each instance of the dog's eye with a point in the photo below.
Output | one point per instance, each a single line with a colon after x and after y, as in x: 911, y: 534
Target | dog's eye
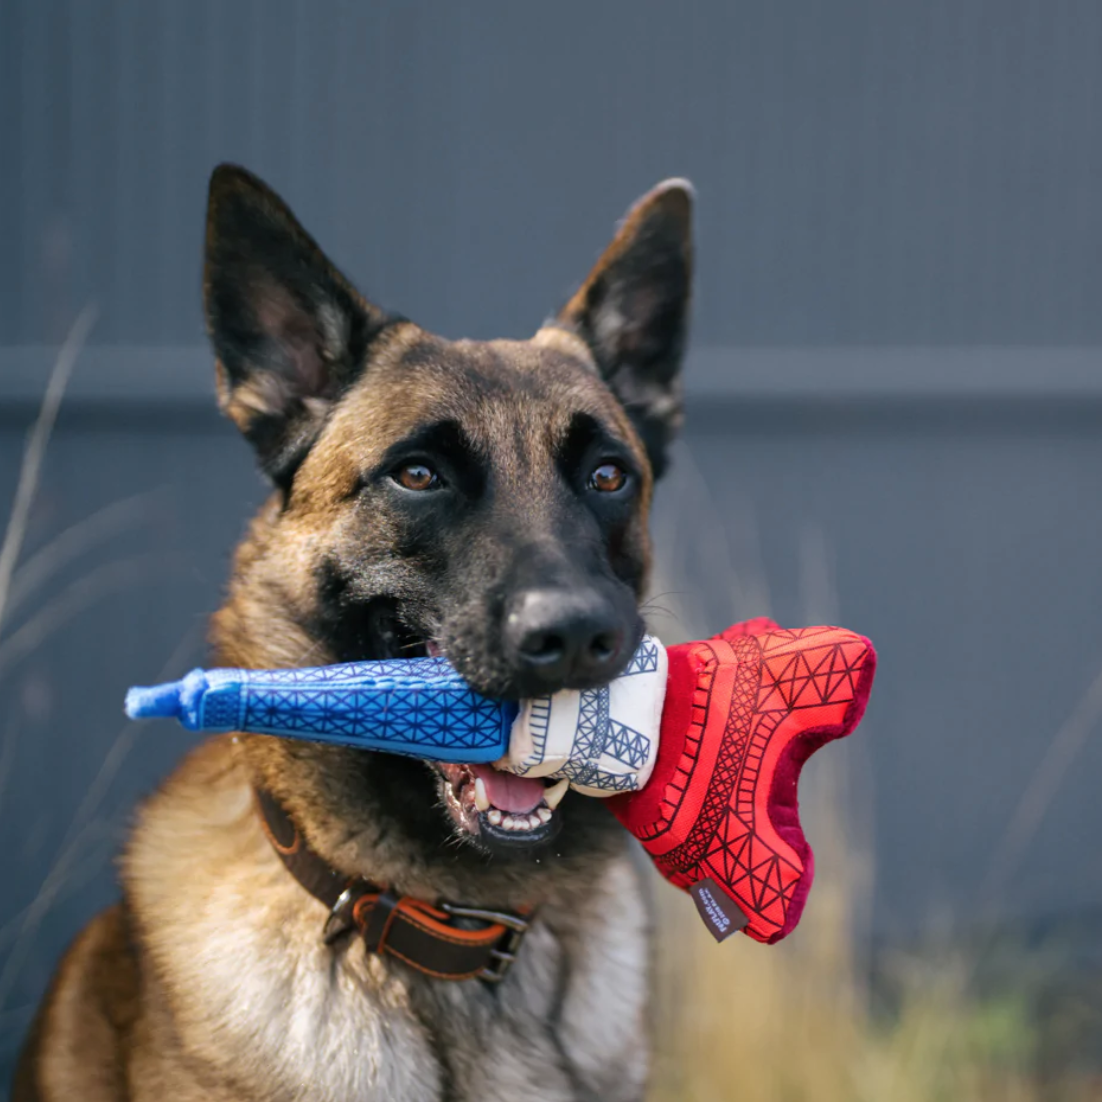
x: 608, y: 478
x: 416, y: 476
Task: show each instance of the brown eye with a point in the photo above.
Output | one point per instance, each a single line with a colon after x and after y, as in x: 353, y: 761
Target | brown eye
x: 416, y: 476
x: 608, y: 478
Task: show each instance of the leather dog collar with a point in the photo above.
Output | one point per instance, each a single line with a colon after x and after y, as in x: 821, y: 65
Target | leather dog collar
x: 446, y: 941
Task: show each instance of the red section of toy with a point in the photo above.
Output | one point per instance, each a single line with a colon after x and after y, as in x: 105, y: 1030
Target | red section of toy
x: 743, y: 712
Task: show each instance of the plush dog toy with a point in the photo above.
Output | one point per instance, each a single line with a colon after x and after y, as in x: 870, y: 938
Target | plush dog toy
x: 699, y: 746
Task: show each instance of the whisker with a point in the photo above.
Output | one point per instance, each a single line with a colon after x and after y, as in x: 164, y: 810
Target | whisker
x: 659, y: 596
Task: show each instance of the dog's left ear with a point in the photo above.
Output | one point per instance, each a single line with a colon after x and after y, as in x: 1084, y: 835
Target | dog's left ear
x: 633, y: 312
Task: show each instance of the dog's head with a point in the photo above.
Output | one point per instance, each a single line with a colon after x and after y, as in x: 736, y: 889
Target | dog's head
x: 482, y: 500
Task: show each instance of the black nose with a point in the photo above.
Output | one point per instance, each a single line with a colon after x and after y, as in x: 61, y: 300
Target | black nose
x: 564, y: 637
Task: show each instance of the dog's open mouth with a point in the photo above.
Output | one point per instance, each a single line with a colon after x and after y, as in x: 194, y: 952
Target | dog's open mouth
x: 501, y: 810
x: 495, y: 810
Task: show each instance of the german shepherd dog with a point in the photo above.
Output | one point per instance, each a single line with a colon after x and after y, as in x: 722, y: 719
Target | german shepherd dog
x: 486, y: 501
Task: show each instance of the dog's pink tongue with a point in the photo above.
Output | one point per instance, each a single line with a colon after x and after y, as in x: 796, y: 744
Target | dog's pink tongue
x: 508, y: 791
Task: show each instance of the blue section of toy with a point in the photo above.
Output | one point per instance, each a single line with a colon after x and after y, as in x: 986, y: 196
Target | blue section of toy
x: 419, y: 707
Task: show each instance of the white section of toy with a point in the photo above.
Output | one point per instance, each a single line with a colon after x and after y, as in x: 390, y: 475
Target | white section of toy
x: 602, y: 741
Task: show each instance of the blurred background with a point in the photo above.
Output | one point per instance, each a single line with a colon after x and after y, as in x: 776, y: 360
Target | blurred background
x: 894, y: 422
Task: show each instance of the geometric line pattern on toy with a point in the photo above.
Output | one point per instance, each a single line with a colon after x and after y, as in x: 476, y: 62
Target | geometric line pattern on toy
x: 539, y: 713
x: 443, y: 716
x: 592, y: 729
x: 624, y: 744
x: 602, y: 742
x: 645, y: 658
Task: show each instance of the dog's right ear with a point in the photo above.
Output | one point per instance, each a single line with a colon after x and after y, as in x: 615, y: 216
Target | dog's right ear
x: 290, y: 333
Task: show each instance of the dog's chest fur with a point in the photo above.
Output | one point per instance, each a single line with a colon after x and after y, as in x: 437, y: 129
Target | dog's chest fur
x: 239, y: 959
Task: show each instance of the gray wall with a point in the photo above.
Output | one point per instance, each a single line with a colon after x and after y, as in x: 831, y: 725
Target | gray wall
x: 870, y: 172
x: 896, y: 394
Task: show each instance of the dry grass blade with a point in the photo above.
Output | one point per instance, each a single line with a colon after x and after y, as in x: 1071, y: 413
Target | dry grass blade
x: 79, y: 538
x: 34, y: 453
x: 1041, y: 792
x: 113, y: 576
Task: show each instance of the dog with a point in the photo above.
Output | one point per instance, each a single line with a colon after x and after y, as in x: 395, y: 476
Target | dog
x: 486, y: 501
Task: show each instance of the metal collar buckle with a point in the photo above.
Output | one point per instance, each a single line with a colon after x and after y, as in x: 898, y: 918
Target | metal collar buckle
x: 340, y: 919
x: 503, y: 957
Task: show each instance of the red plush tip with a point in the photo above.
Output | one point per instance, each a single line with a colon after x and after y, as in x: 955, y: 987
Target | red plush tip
x: 743, y: 712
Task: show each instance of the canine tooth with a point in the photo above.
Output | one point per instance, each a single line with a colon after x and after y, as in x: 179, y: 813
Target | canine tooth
x: 494, y: 816
x: 553, y: 796
x: 544, y: 814
x: 481, y: 800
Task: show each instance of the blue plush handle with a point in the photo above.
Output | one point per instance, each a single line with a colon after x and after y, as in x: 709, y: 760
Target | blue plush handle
x: 419, y: 707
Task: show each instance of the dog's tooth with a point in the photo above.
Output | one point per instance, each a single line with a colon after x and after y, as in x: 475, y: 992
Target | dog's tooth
x: 481, y: 800
x: 509, y: 822
x: 533, y: 821
x: 553, y: 796
x: 544, y: 814
x: 494, y: 816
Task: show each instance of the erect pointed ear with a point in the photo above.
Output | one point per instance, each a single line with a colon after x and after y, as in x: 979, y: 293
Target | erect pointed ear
x: 290, y: 333
x: 633, y: 312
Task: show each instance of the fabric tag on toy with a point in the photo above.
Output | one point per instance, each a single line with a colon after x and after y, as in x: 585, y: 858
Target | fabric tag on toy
x: 603, y: 740
x: 721, y: 914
